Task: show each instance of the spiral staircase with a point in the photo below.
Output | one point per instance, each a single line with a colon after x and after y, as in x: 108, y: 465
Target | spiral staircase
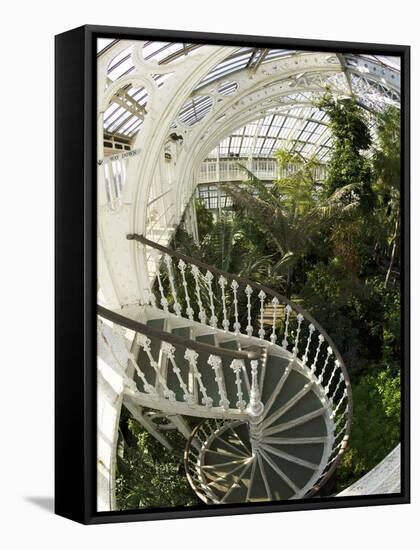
x: 262, y: 381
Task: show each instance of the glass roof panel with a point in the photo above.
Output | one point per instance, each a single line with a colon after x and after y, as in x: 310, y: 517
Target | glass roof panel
x: 301, y: 125
x: 103, y: 44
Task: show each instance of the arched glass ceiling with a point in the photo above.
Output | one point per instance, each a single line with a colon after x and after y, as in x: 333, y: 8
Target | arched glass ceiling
x: 302, y: 128
x: 373, y: 80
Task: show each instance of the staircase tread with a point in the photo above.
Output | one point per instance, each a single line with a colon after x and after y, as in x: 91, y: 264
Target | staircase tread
x: 258, y: 491
x: 307, y: 403
x: 274, y: 370
x: 312, y: 428
x: 279, y: 489
x: 219, y: 443
x: 311, y: 452
x: 300, y: 475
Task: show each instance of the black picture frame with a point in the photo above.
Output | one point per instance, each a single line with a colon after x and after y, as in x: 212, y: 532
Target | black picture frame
x: 75, y: 273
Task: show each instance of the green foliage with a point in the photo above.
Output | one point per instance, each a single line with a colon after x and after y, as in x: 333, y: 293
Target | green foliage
x: 292, y: 213
x: 204, y: 220
x: 332, y: 246
x: 362, y: 317
x: 376, y: 425
x: 386, y: 164
x: 351, y: 137
x: 148, y: 475
x: 387, y: 152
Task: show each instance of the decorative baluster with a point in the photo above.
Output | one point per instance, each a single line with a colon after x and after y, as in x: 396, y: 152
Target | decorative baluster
x: 285, y: 342
x: 190, y: 312
x: 340, y: 403
x: 169, y: 350
x: 318, y: 349
x: 237, y: 366
x: 163, y: 300
x: 177, y: 305
x: 222, y: 284
x: 236, y: 325
x: 273, y: 336
x: 340, y: 421
x: 339, y: 433
x: 213, y: 318
x: 191, y: 356
x: 145, y: 343
x: 308, y: 342
x: 255, y: 406
x: 248, y: 292
x: 341, y: 380
x: 321, y: 376
x: 336, y: 367
x: 201, y: 313
x: 147, y: 387
x: 151, y: 298
x: 216, y: 364
x: 300, y: 319
x: 261, y: 296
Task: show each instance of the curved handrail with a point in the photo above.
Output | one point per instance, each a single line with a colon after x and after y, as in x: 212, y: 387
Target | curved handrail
x: 330, y: 468
x: 245, y: 281
x: 173, y: 339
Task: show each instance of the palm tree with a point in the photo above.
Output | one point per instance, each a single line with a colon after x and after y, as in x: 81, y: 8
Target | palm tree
x: 293, y: 210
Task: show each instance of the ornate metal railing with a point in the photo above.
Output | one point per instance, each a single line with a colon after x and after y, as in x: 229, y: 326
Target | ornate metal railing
x: 227, y: 169
x: 207, y: 295
x: 205, y: 363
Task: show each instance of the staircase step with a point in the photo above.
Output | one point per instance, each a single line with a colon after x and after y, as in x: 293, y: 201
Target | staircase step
x: 309, y: 402
x: 239, y: 488
x: 234, y: 477
x: 258, y: 491
x: 243, y: 432
x: 292, y: 388
x: 274, y: 371
x: 312, y: 428
x: 222, y: 444
x: 279, y: 488
x: 298, y: 474
x: 312, y: 453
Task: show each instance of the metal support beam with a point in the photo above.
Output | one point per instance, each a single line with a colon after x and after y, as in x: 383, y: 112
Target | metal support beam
x: 136, y: 412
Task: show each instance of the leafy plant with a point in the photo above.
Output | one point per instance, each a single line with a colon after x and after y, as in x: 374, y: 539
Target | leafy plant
x: 148, y: 475
x: 376, y: 425
x: 351, y: 138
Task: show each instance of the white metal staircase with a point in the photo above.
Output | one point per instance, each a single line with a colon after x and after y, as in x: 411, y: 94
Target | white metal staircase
x: 273, y: 393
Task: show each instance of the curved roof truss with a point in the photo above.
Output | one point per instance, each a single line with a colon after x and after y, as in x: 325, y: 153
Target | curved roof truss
x: 280, y: 120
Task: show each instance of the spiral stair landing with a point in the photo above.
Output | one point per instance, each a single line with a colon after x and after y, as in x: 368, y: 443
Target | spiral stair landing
x: 225, y: 463
x: 273, y: 394
x: 229, y: 471
x: 280, y: 457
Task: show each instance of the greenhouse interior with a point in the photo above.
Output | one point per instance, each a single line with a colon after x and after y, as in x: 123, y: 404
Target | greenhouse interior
x: 248, y: 274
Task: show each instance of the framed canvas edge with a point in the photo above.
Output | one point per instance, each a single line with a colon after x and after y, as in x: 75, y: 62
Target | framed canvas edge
x: 82, y: 384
